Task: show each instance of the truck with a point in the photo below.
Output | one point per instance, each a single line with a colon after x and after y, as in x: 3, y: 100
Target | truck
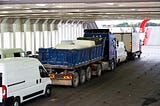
x: 75, y: 66
x: 132, y: 43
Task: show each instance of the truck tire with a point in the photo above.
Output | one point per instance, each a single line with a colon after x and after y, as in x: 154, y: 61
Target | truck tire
x: 16, y: 102
x: 99, y: 70
x: 75, y: 80
x: 112, y: 65
x: 82, y: 76
x: 48, y: 91
x: 139, y: 55
x: 88, y: 73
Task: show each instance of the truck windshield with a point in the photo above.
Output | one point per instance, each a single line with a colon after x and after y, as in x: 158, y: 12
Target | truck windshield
x: 0, y: 79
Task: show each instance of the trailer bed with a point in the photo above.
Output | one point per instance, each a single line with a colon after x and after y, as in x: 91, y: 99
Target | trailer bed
x: 70, y: 59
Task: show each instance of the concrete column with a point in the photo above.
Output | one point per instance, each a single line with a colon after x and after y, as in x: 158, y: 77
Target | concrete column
x: 3, y: 29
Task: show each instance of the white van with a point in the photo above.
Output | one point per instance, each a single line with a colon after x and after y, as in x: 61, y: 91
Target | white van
x: 11, y: 52
x: 121, y: 52
x: 22, y: 79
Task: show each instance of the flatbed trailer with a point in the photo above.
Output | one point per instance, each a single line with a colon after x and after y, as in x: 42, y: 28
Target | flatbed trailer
x: 75, y: 66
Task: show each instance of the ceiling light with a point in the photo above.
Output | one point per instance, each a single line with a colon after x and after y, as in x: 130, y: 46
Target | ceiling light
x: 45, y: 11
x: 110, y: 3
x: 133, y: 9
x: 27, y: 8
x: 59, y: 6
x: 29, y: 11
x: 4, y: 12
x: 40, y: 4
x: 7, y: 7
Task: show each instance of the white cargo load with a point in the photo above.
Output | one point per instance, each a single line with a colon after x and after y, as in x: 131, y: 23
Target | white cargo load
x: 85, y: 43
x: 78, y: 44
x: 68, y: 46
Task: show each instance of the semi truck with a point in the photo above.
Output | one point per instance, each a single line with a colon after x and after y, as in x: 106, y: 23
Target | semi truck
x: 132, y: 43
x: 73, y: 66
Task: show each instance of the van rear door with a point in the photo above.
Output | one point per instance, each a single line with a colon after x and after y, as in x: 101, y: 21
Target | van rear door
x: 0, y: 87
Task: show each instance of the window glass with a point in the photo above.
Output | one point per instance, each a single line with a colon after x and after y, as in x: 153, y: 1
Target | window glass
x: 17, y: 54
x: 43, y: 73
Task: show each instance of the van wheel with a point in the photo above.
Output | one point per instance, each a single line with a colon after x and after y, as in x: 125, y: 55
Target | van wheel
x: 88, y: 73
x: 48, y: 91
x: 16, y: 102
x: 75, y: 80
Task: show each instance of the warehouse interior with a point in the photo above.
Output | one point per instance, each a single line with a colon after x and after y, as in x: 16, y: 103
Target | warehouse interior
x: 34, y: 24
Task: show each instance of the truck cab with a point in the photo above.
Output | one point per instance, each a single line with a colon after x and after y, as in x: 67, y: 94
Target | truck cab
x: 109, y: 43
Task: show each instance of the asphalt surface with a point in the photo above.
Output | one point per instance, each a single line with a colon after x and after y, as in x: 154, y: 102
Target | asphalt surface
x: 133, y: 83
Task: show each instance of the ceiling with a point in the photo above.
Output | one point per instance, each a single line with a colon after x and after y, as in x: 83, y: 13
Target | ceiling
x: 81, y: 9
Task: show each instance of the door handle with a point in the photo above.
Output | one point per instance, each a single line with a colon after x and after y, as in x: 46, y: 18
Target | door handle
x: 40, y: 80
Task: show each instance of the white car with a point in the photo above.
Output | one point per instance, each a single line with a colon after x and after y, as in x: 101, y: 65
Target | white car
x: 121, y: 52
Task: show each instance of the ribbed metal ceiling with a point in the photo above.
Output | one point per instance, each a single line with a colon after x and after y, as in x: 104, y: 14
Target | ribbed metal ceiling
x: 81, y: 9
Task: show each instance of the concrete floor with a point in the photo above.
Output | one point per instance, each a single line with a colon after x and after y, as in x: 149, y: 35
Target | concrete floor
x: 134, y: 83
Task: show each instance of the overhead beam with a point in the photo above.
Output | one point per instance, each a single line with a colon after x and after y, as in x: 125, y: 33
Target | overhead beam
x: 71, y: 1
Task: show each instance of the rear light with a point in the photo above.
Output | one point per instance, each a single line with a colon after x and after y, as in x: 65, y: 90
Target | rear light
x: 130, y: 45
x: 4, y: 92
x: 52, y: 76
x: 68, y: 76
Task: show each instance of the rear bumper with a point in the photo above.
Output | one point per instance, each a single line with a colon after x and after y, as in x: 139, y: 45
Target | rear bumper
x: 67, y: 82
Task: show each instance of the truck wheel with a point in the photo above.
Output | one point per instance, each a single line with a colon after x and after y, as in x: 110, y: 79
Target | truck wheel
x: 82, y: 76
x: 75, y: 80
x: 88, y: 73
x: 112, y: 66
x: 48, y: 91
x: 16, y: 102
x: 139, y: 56
x: 99, y: 70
